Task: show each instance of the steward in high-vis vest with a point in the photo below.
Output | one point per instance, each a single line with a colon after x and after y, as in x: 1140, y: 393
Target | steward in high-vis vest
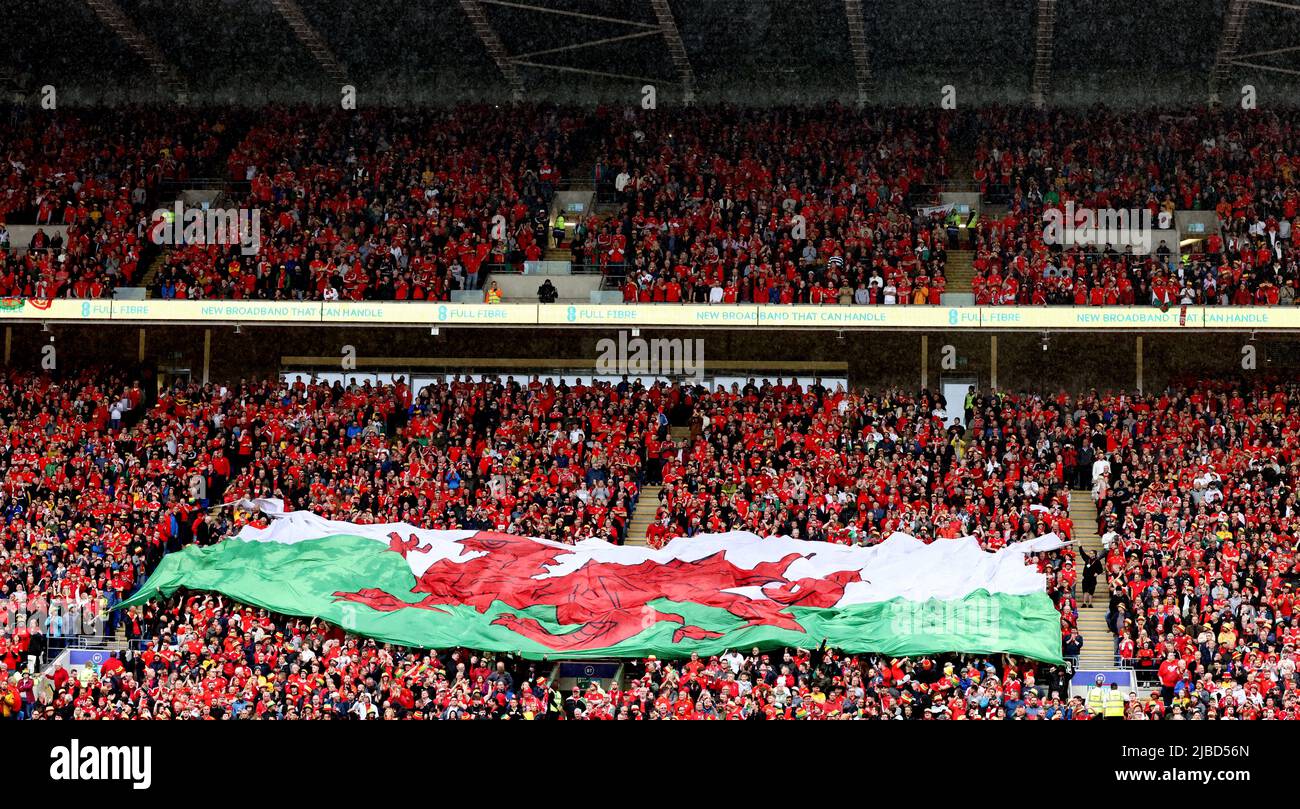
x: 558, y: 229
x: 1097, y: 697
x: 1105, y: 702
x: 1114, y: 702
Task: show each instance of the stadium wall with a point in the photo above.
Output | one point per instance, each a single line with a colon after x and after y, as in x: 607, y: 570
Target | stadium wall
x: 1073, y: 361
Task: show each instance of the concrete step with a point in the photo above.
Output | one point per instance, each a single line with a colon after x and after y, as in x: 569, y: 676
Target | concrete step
x: 958, y: 271
x: 647, y: 505
x: 151, y: 273
x: 1098, y: 643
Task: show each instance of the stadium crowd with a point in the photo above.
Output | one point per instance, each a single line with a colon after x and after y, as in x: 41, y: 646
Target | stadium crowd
x: 1150, y: 164
x: 1197, y: 511
x: 854, y: 467
x: 89, y: 182
x: 706, y: 205
x: 102, y: 476
x: 205, y: 658
x: 773, y: 206
x: 382, y: 205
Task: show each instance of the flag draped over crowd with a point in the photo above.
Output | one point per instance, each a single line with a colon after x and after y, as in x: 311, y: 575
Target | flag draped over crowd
x: 706, y: 594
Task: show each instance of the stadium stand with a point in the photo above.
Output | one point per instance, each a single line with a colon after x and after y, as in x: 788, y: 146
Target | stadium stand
x: 720, y: 206
x: 1195, y: 520
x: 709, y: 155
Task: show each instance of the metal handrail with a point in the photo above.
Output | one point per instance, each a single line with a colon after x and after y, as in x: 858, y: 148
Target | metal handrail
x: 76, y: 641
x: 518, y: 269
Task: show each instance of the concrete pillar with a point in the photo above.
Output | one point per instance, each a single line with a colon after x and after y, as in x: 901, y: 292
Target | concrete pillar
x: 925, y: 361
x: 1139, y: 363
x: 993, y: 360
x: 207, y: 353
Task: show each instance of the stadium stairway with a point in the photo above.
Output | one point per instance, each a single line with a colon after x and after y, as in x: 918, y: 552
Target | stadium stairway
x: 959, y: 271
x: 648, y: 499
x: 1098, y: 645
x: 647, y: 505
x: 146, y: 280
x: 581, y: 176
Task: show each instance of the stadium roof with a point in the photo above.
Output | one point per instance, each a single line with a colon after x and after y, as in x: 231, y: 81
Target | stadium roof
x: 761, y: 51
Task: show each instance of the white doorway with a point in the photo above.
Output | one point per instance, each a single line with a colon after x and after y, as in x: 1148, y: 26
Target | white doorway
x: 954, y: 390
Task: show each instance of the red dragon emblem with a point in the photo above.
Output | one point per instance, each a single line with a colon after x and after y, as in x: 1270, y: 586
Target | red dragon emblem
x: 606, y: 602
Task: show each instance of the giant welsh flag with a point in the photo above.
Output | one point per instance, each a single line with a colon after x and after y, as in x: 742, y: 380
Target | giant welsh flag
x: 706, y: 594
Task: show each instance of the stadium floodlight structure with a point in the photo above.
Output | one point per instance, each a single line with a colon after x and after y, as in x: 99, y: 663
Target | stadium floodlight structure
x: 1234, y: 26
x: 311, y: 40
x: 861, y: 57
x: 1043, y: 39
x: 676, y: 50
x: 478, y: 21
x: 664, y: 26
x: 116, y: 21
x: 1226, y: 56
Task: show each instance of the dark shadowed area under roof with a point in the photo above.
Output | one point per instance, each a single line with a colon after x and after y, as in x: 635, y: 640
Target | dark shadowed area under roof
x: 1112, y: 52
